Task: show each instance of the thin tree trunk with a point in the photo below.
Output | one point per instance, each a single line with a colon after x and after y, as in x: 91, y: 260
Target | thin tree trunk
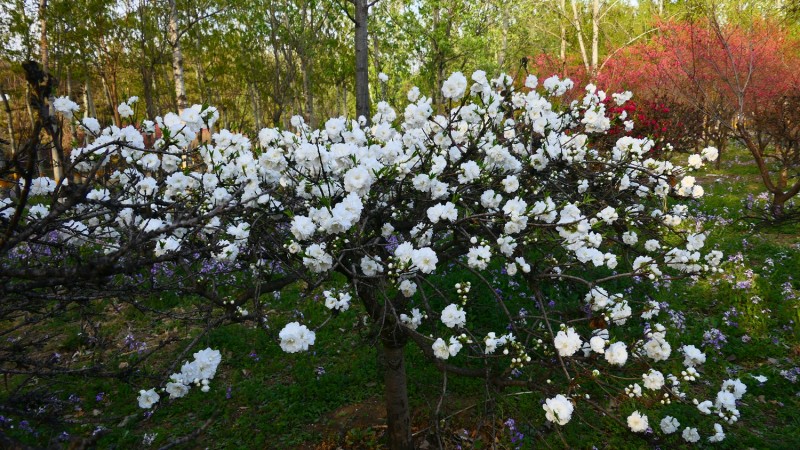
x: 380, y: 91
x: 11, y: 139
x: 501, y: 59
x: 562, y: 54
x: 55, y: 156
x: 581, y: 44
x: 343, y: 90
x: 438, y: 60
x: 200, y: 71
x: 28, y: 104
x: 255, y: 105
x: 147, y: 84
x: 362, y: 59
x: 69, y: 94
x: 111, y: 102
x: 309, y: 107
x: 146, y: 67
x: 595, y: 37
x: 44, y: 53
x: 177, y: 58
x: 88, y: 100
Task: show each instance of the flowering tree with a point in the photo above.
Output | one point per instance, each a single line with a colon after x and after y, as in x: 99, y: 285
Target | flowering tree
x: 508, y: 179
x: 547, y: 226
x: 135, y: 217
x: 740, y: 79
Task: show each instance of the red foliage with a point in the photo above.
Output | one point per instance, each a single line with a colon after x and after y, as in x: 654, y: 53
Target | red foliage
x: 731, y: 69
x: 721, y: 81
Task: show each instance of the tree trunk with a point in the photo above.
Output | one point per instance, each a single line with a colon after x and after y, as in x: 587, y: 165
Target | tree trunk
x: 562, y: 54
x: 398, y: 417
x: 362, y: 59
x: 111, y: 103
x: 177, y: 58
x: 55, y: 156
x: 255, y: 105
x: 595, y: 38
x: 343, y: 90
x: 501, y: 59
x: 722, y: 148
x: 88, y: 100
x: 309, y: 106
x: 147, y: 84
x: 69, y: 94
x: 393, y: 339
x: 12, y: 141
x: 778, y: 205
x: 380, y: 91
x: 579, y: 29
x: 28, y: 104
x: 43, y: 35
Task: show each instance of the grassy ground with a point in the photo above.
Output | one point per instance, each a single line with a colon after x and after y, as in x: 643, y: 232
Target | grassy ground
x: 262, y: 398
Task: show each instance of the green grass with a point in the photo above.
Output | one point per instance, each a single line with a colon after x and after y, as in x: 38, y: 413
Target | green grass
x: 263, y: 398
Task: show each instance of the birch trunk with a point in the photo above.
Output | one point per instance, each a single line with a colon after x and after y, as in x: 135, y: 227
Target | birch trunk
x: 595, y: 38
x: 579, y: 28
x: 562, y: 54
x: 362, y: 59
x: 7, y: 107
x: 88, y: 100
x: 177, y: 58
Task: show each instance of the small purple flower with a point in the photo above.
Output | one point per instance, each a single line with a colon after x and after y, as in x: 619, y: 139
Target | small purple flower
x: 516, y: 436
x: 677, y: 318
x: 714, y: 338
x: 392, y: 243
x: 792, y: 374
x: 132, y: 344
x: 728, y: 316
x: 25, y: 426
x: 788, y: 291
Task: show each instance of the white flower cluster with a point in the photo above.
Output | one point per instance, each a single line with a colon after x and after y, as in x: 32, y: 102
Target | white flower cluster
x: 198, y: 372
x: 453, y: 316
x: 414, y: 320
x: 558, y: 409
x: 66, y: 106
x: 125, y: 109
x: 296, y: 338
x: 443, y: 350
x: 339, y: 302
x: 707, y: 154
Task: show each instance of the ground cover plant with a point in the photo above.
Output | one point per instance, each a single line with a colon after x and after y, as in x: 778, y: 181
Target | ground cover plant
x: 550, y: 279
